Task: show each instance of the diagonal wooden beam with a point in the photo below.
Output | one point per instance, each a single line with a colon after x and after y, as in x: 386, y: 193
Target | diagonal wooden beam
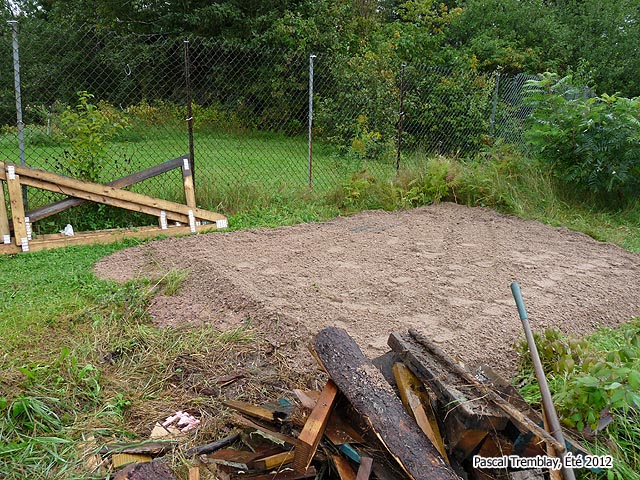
x: 108, y: 192
x: 46, y: 211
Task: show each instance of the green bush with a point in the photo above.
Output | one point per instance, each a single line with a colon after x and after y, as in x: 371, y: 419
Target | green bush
x: 88, y: 128
x: 590, y: 143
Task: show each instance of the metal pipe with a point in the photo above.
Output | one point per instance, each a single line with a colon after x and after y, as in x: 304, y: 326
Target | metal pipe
x: 495, y: 106
x: 311, y: 57
x: 400, y: 118
x: 18, y: 93
x: 547, y: 402
x: 187, y: 75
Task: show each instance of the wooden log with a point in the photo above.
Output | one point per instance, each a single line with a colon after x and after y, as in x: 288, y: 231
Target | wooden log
x: 48, y: 210
x: 5, y: 231
x: 112, y: 193
x: 519, y: 419
x: 373, y: 398
x: 17, y: 209
x: 213, y: 446
x: 313, y: 429
x: 365, y: 468
x: 409, y: 389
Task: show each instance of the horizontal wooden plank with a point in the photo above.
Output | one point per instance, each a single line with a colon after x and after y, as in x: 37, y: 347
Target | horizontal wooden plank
x: 57, y: 240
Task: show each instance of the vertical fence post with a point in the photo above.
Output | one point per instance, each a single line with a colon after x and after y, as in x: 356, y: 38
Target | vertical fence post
x: 187, y: 76
x: 495, y: 106
x: 400, y: 117
x: 310, y: 159
x: 18, y: 93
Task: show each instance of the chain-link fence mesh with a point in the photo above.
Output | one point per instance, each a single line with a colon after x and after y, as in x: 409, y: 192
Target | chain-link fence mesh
x: 100, y: 106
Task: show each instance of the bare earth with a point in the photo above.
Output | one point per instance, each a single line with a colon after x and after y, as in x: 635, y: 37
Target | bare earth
x: 444, y: 269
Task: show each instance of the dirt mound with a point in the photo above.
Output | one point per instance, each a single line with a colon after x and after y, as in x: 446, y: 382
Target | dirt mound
x: 443, y: 269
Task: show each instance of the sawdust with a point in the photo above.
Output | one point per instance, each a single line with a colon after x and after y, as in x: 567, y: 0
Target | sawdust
x: 443, y: 269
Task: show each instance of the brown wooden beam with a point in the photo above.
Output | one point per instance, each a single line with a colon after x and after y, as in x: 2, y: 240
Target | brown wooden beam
x: 373, y: 398
x: 46, y: 211
x: 313, y: 429
x: 5, y: 231
x: 106, y: 191
x: 17, y: 207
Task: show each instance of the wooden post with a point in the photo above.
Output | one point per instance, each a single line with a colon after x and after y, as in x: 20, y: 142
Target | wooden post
x: 373, y: 398
x: 5, y: 232
x: 189, y: 190
x: 17, y: 208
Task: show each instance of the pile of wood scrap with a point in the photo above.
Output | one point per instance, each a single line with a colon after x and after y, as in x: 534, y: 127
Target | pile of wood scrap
x: 413, y: 413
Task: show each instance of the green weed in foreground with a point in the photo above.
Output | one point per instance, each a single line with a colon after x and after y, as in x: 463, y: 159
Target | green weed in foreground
x: 596, y: 388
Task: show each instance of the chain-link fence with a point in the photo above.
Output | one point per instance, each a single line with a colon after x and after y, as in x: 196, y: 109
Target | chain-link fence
x: 100, y: 106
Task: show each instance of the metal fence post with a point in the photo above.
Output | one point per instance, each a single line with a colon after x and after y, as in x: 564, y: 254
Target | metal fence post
x: 18, y: 93
x: 400, y: 117
x: 495, y: 106
x: 187, y: 76
x: 311, y: 57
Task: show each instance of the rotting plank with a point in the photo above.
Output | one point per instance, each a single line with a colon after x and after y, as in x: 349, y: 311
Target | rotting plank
x: 5, y: 231
x: 17, y: 209
x: 313, y: 429
x: 520, y: 420
x: 408, y: 387
x: 116, y: 193
x: 60, y: 206
x: 365, y: 468
x: 245, y: 422
x: 373, y: 398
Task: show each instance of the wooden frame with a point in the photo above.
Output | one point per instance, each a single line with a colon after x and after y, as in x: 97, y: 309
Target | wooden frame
x: 15, y: 176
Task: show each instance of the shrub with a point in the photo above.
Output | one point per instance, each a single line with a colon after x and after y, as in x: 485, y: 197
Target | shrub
x: 592, y: 143
x: 88, y: 128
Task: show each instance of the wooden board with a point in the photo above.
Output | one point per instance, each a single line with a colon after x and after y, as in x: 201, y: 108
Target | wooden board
x: 313, y: 429
x: 57, y: 240
x: 245, y: 422
x: 365, y: 468
x: 283, y: 475
x: 17, y: 209
x: 373, y: 398
x: 273, y: 461
x: 345, y: 472
x: 108, y: 192
x: 43, y: 212
x: 4, y: 218
x: 255, y: 411
x: 420, y: 408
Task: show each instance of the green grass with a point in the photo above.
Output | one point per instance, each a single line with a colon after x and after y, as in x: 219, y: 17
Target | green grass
x: 79, y: 354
